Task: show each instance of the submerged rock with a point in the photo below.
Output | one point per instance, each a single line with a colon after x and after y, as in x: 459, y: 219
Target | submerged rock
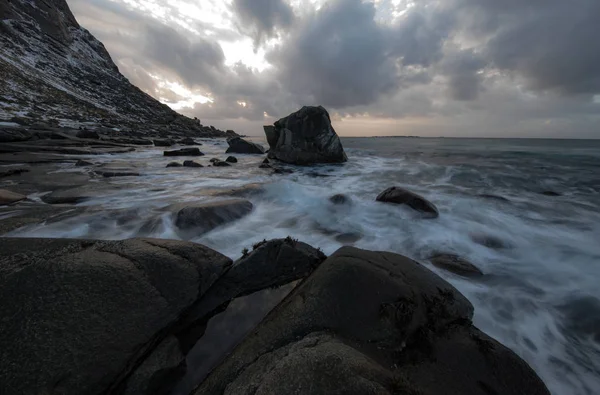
x: 162, y: 143
x: 375, y: 323
x: 221, y: 163
x: 397, y: 195
x: 265, y: 166
x: 456, y: 265
x: 204, y: 217
x: 340, y: 199
x: 82, y: 316
x: 191, y: 163
x: 174, y: 164
x: 551, y: 193
x: 189, y: 141
x: 489, y: 241
x: 8, y: 197
x: 231, y: 159
x: 184, y: 152
x: 240, y: 146
x: 305, y: 137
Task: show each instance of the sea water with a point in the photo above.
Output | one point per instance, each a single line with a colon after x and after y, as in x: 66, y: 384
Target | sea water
x: 540, y: 294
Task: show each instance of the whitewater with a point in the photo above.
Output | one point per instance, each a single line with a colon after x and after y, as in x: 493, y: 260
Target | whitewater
x: 526, y: 212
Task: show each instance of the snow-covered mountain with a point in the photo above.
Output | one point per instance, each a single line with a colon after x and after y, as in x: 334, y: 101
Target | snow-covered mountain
x: 53, y: 69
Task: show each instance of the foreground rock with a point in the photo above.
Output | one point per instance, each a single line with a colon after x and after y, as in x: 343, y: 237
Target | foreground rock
x: 238, y: 145
x: 8, y: 197
x: 191, y: 163
x: 397, y: 195
x: 184, y: 152
x: 82, y: 317
x: 371, y: 323
x: 305, y: 137
x: 199, y: 218
x: 456, y: 265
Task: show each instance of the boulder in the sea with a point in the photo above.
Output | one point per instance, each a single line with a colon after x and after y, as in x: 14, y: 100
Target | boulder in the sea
x: 84, y: 316
x: 339, y: 199
x: 305, y: 137
x: 371, y: 323
x: 231, y: 159
x: 490, y: 241
x: 455, y: 264
x: 204, y: 217
x: 9, y: 197
x: 174, y: 164
x: 551, y: 193
x: 240, y: 146
x: 188, y: 141
x: 191, y: 163
x: 184, y: 152
x: 87, y: 134
x: 162, y: 143
x: 397, y: 195
x: 221, y: 163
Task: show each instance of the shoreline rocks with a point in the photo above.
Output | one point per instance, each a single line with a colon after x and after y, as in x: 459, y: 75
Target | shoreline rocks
x: 238, y: 145
x: 184, y: 152
x: 203, y: 217
x: 305, y: 137
x: 397, y: 195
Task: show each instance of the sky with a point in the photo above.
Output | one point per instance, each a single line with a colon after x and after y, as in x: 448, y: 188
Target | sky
x: 455, y: 68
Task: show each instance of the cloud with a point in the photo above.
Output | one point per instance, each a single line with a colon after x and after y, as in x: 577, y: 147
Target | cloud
x: 260, y: 18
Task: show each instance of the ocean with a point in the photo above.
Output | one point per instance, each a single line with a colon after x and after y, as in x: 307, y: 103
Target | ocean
x: 526, y: 212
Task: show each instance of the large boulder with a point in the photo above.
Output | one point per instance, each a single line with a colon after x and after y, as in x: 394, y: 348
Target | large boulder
x: 238, y: 145
x: 92, y: 317
x: 203, y: 217
x: 305, y: 137
x: 371, y: 323
x: 397, y: 195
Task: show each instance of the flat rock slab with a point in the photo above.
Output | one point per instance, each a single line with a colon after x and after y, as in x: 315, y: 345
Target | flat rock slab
x: 8, y: 197
x: 456, y: 265
x: 80, y: 316
x: 204, y: 217
x: 371, y: 323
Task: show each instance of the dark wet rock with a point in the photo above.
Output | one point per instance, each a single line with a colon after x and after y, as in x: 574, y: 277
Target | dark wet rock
x: 456, y: 265
x: 340, y: 199
x: 132, y: 141
x: 9, y: 197
x: 397, y: 195
x: 246, y: 190
x: 162, y: 143
x: 174, y: 164
x: 88, y: 134
x: 490, y: 241
x: 266, y: 160
x: 110, y: 174
x: 214, y: 160
x: 14, y: 135
x: 184, y: 152
x: 72, y: 195
x: 12, y: 172
x: 221, y: 164
x: 238, y: 145
x: 494, y: 197
x: 191, y: 163
x: 81, y: 163
x: 88, y: 317
x: 282, y: 170
x: 189, y: 141
x: 335, y: 335
x: 265, y: 166
x: 305, y: 137
x: 270, y: 264
x: 348, y: 237
x: 204, y: 217
x: 550, y: 193
x: 231, y: 159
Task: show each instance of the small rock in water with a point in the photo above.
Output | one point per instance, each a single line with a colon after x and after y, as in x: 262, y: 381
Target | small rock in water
x: 163, y: 143
x: 214, y: 160
x: 550, y: 193
x: 221, y: 164
x: 240, y: 146
x: 174, y: 164
x: 184, y: 152
x: 489, y: 241
x: 279, y: 170
x: 81, y: 162
x: 203, y: 217
x: 397, y: 195
x: 9, y: 197
x: 456, y: 265
x: 231, y: 159
x: 340, y: 199
x: 265, y: 166
x: 191, y: 163
x: 265, y: 161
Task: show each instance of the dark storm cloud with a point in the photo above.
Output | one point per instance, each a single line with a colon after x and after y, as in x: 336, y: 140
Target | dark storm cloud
x: 260, y: 18
x: 462, y: 70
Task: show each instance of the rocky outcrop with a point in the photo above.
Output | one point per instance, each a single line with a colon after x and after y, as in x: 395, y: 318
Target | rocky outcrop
x: 91, y: 317
x: 455, y: 264
x: 397, y: 195
x: 305, y: 137
x: 238, y: 145
x: 376, y: 323
x: 184, y: 152
x: 199, y: 218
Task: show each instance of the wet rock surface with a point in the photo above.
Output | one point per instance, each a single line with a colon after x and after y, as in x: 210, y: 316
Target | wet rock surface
x: 203, y: 217
x: 456, y: 264
x: 240, y: 146
x: 9, y: 197
x: 397, y: 195
x: 184, y: 152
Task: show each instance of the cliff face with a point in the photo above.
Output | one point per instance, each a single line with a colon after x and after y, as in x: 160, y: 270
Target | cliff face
x: 50, y: 67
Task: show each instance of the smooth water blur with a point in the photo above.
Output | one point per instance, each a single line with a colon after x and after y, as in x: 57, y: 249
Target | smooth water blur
x: 540, y: 293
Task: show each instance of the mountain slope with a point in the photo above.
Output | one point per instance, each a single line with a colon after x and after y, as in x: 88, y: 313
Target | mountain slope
x: 52, y: 68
